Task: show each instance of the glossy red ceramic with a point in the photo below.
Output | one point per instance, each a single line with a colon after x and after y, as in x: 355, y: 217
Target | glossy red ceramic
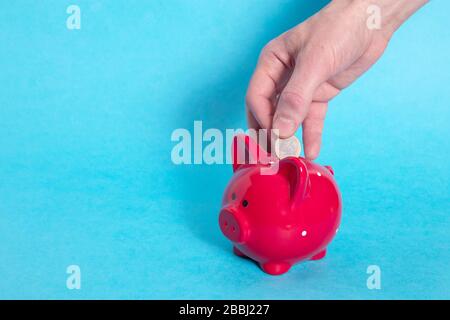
x: 282, y: 217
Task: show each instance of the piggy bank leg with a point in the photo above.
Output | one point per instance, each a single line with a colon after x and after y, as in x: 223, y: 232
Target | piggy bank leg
x: 320, y: 255
x: 238, y: 252
x: 275, y: 268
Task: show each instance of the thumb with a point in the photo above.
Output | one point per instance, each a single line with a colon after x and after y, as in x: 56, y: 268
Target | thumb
x: 295, y: 99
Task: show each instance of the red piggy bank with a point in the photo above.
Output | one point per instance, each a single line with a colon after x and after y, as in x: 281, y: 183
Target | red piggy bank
x: 281, y: 217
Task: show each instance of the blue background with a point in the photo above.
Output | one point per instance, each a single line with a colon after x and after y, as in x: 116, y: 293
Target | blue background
x: 86, y: 176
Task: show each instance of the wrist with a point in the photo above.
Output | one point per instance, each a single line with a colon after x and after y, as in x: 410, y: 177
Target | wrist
x: 394, y: 12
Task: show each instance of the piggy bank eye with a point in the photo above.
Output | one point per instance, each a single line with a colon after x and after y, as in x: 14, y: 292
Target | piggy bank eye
x: 233, y: 196
x: 245, y: 203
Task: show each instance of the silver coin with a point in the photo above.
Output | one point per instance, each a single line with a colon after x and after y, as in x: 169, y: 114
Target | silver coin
x: 289, y: 147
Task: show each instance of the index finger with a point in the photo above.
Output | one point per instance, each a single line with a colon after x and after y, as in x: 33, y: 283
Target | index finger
x: 263, y: 88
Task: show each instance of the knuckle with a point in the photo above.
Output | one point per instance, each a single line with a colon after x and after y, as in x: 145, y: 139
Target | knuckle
x: 249, y: 99
x: 275, y: 52
x: 271, y: 46
x: 292, y: 99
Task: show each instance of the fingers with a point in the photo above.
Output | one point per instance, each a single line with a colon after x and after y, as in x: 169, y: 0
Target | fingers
x: 263, y: 88
x: 251, y: 121
x: 296, y: 97
x: 259, y: 98
x: 312, y: 129
x: 325, y: 92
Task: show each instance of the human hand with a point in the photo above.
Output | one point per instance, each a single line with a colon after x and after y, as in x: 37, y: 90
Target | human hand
x: 299, y: 72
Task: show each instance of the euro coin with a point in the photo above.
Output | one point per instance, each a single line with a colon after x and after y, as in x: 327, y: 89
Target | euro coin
x: 289, y: 147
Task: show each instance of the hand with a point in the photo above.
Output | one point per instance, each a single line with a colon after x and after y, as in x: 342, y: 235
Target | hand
x: 299, y: 72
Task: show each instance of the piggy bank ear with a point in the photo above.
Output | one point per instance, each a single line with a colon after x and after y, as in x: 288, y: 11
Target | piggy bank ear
x: 245, y: 151
x: 294, y: 169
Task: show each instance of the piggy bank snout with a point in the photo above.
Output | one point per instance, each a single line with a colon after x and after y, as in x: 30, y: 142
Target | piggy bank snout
x: 233, y: 225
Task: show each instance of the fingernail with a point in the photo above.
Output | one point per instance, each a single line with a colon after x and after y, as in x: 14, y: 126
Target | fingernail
x: 286, y: 126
